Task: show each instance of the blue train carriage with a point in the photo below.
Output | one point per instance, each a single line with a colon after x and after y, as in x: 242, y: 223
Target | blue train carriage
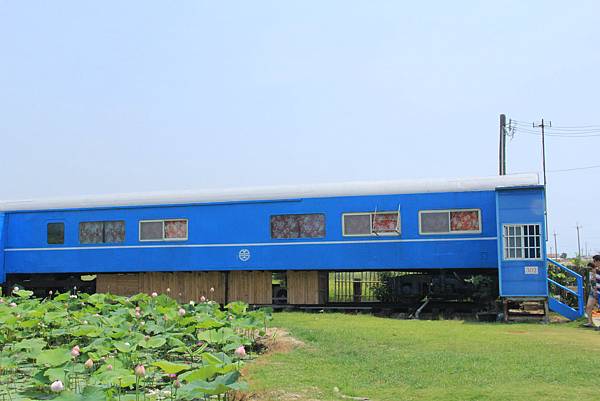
x: 226, y: 245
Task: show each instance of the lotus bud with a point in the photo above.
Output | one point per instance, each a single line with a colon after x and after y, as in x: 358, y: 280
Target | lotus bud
x: 57, y: 386
x: 240, y: 351
x: 137, y: 309
x: 89, y: 364
x: 142, y: 323
x: 109, y: 367
x: 202, y: 299
x: 181, y: 311
x: 140, y: 371
x: 15, y: 289
x: 50, y: 292
x: 146, y: 338
x: 212, y: 289
x: 192, y: 303
x: 199, y: 343
x: 75, y: 351
x: 168, y: 290
x: 138, y: 314
x: 165, y: 317
x: 103, y: 358
x: 177, y: 383
x: 154, y: 294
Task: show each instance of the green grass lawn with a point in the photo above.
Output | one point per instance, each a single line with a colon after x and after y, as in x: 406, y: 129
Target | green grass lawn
x: 385, y: 359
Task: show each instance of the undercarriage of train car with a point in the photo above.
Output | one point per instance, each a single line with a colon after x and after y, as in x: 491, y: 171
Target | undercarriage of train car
x: 412, y: 294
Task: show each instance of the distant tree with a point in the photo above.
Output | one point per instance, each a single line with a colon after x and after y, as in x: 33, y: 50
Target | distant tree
x: 563, y: 255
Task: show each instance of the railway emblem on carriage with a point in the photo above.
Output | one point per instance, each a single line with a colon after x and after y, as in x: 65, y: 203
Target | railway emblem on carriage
x: 244, y: 255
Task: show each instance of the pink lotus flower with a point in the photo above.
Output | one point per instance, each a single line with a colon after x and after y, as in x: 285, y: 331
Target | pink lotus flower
x: 75, y: 351
x: 202, y: 299
x: 154, y: 294
x: 181, y: 311
x: 89, y: 364
x: 172, y: 376
x: 168, y: 290
x: 177, y: 383
x: 57, y: 386
x: 140, y: 371
x: 240, y: 351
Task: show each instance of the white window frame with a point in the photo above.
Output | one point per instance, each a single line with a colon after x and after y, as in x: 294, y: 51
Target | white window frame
x: 523, y: 247
x: 370, y: 214
x: 450, y: 232
x: 187, y: 231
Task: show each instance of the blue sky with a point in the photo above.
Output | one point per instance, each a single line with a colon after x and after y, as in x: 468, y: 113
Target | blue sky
x: 112, y: 96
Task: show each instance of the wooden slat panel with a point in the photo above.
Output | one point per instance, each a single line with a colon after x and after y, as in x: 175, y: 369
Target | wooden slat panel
x: 183, y: 286
x: 253, y: 287
x: 307, y: 287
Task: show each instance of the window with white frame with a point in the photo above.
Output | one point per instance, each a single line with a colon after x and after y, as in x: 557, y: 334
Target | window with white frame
x: 455, y: 221
x: 522, y: 241
x: 378, y: 223
x: 164, y: 230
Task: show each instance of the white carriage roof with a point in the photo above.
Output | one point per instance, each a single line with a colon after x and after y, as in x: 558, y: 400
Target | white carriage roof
x: 275, y: 193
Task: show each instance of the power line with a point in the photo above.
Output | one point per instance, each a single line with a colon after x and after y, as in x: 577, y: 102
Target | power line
x: 574, y: 169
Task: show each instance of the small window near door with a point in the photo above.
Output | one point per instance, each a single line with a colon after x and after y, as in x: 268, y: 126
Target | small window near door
x: 56, y: 233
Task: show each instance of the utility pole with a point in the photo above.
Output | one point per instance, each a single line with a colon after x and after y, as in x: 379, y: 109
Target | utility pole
x: 543, y: 126
x: 502, y: 151
x: 555, y: 246
x: 578, y: 241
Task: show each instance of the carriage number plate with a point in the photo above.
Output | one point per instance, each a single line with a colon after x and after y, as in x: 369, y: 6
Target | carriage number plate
x: 531, y: 270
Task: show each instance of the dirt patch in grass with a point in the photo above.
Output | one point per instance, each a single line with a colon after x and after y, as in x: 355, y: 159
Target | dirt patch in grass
x: 312, y: 394
x: 278, y: 341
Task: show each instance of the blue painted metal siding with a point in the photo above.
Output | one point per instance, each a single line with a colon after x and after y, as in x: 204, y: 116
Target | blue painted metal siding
x: 217, y: 233
x: 521, y: 206
x: 3, y: 231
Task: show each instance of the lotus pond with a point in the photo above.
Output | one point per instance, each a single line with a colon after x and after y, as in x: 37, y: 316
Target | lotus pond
x: 107, y: 347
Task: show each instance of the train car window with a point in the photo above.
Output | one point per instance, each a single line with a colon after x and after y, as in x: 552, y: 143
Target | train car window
x: 435, y: 222
x: 164, y: 230
x: 176, y: 229
x: 91, y: 232
x: 101, y: 232
x: 449, y: 221
x: 56, y: 233
x: 151, y: 230
x: 298, y: 226
x: 386, y: 223
x: 380, y: 223
x: 357, y: 224
x: 114, y: 231
x: 522, y: 241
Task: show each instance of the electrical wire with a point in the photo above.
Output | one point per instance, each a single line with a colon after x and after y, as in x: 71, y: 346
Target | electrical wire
x: 574, y: 169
